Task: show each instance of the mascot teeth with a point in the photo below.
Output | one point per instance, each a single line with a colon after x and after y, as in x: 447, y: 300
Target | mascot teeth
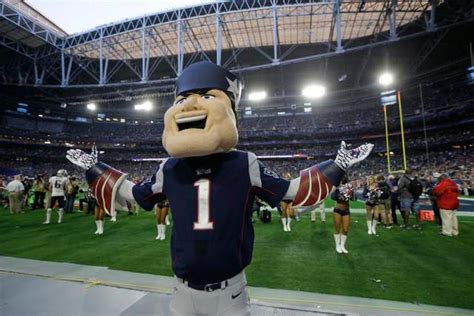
x: 190, y: 119
x: 197, y: 121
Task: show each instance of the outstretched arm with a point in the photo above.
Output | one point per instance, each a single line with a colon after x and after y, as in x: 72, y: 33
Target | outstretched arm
x: 314, y: 184
x: 104, y: 181
x: 109, y: 185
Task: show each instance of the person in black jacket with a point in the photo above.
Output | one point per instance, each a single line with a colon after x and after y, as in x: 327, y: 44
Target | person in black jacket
x: 394, y: 201
x: 431, y: 182
x: 91, y: 202
x: 71, y: 190
x: 383, y: 202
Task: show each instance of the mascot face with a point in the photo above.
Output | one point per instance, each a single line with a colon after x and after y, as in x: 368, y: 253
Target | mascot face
x: 200, y: 124
x: 201, y: 121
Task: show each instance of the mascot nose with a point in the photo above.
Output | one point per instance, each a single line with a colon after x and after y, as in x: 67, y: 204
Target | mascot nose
x: 191, y: 104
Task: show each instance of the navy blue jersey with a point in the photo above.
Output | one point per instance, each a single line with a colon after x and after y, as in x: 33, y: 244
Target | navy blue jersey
x: 211, y: 200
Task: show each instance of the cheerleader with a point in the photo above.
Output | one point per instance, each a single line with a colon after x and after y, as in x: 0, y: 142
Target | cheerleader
x: 372, y: 195
x: 341, y: 215
x: 286, y: 207
x: 99, y: 215
x: 286, y: 214
x: 162, y: 209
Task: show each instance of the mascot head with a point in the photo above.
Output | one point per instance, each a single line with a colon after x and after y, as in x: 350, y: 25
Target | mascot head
x: 202, y: 120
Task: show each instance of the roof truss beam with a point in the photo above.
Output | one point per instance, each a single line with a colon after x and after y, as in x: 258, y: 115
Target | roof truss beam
x: 25, y: 23
x: 17, y: 47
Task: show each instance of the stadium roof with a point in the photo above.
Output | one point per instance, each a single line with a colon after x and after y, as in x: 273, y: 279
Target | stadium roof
x: 26, y: 25
x: 342, y: 42
x: 243, y: 24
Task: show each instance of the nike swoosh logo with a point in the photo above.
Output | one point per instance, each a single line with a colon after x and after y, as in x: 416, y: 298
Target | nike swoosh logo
x: 234, y: 296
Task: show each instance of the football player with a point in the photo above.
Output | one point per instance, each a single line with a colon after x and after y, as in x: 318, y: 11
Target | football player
x: 210, y: 187
x: 57, y: 184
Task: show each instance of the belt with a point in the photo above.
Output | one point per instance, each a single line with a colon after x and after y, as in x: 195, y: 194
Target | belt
x: 211, y: 287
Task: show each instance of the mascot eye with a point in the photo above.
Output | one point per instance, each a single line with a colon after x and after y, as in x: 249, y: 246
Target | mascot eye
x: 207, y: 96
x: 180, y: 101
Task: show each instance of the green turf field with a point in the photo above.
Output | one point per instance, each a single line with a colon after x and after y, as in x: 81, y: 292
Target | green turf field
x: 412, y: 266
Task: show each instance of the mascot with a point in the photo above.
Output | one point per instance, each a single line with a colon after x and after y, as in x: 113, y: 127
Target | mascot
x: 211, y: 187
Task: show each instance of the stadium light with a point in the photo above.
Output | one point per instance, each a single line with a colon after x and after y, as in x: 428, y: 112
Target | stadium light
x: 257, y: 96
x: 91, y: 106
x: 145, y: 106
x: 314, y: 91
x: 386, y: 79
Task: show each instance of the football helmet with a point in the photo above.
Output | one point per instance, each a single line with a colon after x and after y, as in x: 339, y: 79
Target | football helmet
x: 62, y: 173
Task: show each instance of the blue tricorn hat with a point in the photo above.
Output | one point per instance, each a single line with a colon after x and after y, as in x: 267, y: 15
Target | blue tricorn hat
x: 205, y: 75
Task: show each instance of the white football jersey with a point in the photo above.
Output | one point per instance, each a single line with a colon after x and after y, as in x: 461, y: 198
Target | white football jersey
x: 58, y: 184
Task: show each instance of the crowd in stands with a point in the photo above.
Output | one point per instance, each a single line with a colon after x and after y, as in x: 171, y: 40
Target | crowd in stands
x: 458, y: 163
x: 440, y: 104
x: 311, y: 144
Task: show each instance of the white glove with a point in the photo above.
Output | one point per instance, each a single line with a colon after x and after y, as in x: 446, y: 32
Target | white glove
x: 81, y: 159
x: 347, y: 157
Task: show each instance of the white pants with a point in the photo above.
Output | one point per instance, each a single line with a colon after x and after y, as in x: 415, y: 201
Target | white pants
x: 450, y: 222
x: 231, y: 300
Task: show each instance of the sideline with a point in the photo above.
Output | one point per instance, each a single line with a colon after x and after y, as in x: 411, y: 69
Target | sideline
x: 151, y: 294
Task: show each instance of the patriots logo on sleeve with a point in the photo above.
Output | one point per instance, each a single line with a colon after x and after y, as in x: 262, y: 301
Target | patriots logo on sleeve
x: 270, y: 173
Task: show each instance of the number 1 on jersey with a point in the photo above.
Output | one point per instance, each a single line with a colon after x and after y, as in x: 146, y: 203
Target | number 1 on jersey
x: 203, y: 212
